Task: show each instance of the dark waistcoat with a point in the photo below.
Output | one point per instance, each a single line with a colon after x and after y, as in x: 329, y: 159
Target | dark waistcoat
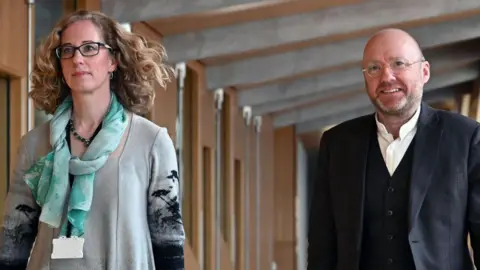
x: 385, y: 242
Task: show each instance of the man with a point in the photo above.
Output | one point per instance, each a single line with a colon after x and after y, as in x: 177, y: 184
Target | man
x: 398, y: 189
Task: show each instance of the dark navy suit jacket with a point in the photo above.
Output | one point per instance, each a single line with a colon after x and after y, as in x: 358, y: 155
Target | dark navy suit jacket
x: 444, y: 202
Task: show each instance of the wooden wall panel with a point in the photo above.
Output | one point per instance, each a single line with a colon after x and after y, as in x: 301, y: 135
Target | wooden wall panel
x: 165, y: 111
x: 4, y: 155
x: 197, y: 83
x: 285, y: 255
x: 208, y: 118
x: 210, y: 231
x: 228, y: 173
x: 164, y: 114
x: 13, y: 41
x: 89, y: 4
x: 13, y: 65
x: 285, y: 185
x: 311, y: 140
x: 240, y: 152
x: 465, y: 102
x: 202, y: 128
x: 191, y: 261
x: 238, y: 156
x: 204, y: 138
x: 266, y: 187
x: 285, y: 192
x: 475, y: 101
x: 267, y: 198
x: 226, y: 262
x: 236, y: 141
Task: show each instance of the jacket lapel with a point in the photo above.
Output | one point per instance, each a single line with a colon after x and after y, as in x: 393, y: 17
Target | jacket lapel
x: 425, y: 155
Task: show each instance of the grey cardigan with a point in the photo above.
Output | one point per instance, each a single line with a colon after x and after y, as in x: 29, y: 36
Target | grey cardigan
x: 134, y: 222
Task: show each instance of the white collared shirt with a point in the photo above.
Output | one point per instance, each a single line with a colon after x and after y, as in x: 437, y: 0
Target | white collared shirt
x: 392, y: 149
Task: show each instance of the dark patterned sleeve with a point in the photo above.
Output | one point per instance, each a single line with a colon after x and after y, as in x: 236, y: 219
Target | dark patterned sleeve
x: 20, y: 220
x: 164, y: 216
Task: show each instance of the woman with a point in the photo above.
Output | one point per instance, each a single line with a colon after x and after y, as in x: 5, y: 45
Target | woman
x: 96, y: 187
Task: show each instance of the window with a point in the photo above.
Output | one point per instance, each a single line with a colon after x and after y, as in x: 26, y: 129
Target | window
x: 4, y: 139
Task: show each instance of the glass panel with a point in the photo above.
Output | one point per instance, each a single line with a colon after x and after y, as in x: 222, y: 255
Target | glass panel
x: 47, y: 14
x: 4, y: 140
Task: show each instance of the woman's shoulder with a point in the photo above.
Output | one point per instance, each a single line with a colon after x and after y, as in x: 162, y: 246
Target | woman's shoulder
x: 37, y: 140
x: 147, y: 132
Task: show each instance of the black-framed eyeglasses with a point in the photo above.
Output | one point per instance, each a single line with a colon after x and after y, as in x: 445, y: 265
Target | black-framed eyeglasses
x: 87, y: 49
x: 397, y: 65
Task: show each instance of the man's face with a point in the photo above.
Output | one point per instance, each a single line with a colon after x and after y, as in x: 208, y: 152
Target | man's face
x: 394, y: 73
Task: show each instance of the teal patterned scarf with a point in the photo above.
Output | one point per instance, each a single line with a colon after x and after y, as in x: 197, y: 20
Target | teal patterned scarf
x: 49, y: 177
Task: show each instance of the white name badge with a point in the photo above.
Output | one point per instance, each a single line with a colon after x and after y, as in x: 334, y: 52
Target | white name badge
x: 67, y: 248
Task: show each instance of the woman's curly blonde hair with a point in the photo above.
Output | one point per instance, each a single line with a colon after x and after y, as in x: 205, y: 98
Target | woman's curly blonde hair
x: 140, y: 66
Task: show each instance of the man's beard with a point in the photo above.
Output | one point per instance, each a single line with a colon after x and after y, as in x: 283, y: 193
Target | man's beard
x: 402, y: 107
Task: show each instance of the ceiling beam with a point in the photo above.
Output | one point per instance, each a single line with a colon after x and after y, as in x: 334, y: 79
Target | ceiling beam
x: 282, y: 96
x: 360, y: 99
x: 301, y: 100
x: 306, y: 26
x: 264, y: 69
x: 333, y: 119
x: 273, y: 32
x: 260, y: 10
x: 142, y: 10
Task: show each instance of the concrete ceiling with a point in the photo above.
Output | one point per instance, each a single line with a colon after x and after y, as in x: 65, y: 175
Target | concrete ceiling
x: 299, y: 60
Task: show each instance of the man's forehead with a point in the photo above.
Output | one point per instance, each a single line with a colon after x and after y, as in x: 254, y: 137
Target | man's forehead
x: 391, y: 43
x: 389, y: 50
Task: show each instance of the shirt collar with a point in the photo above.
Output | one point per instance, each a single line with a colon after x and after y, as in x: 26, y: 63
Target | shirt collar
x: 405, y: 129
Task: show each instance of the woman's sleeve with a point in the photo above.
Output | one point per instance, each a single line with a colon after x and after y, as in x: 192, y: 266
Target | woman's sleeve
x: 164, y: 215
x: 20, y: 219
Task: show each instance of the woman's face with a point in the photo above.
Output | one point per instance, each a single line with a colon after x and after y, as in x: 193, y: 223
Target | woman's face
x: 85, y: 58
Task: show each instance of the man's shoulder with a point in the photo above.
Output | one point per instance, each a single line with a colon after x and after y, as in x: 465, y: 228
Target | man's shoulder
x: 351, y: 127
x: 455, y: 121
